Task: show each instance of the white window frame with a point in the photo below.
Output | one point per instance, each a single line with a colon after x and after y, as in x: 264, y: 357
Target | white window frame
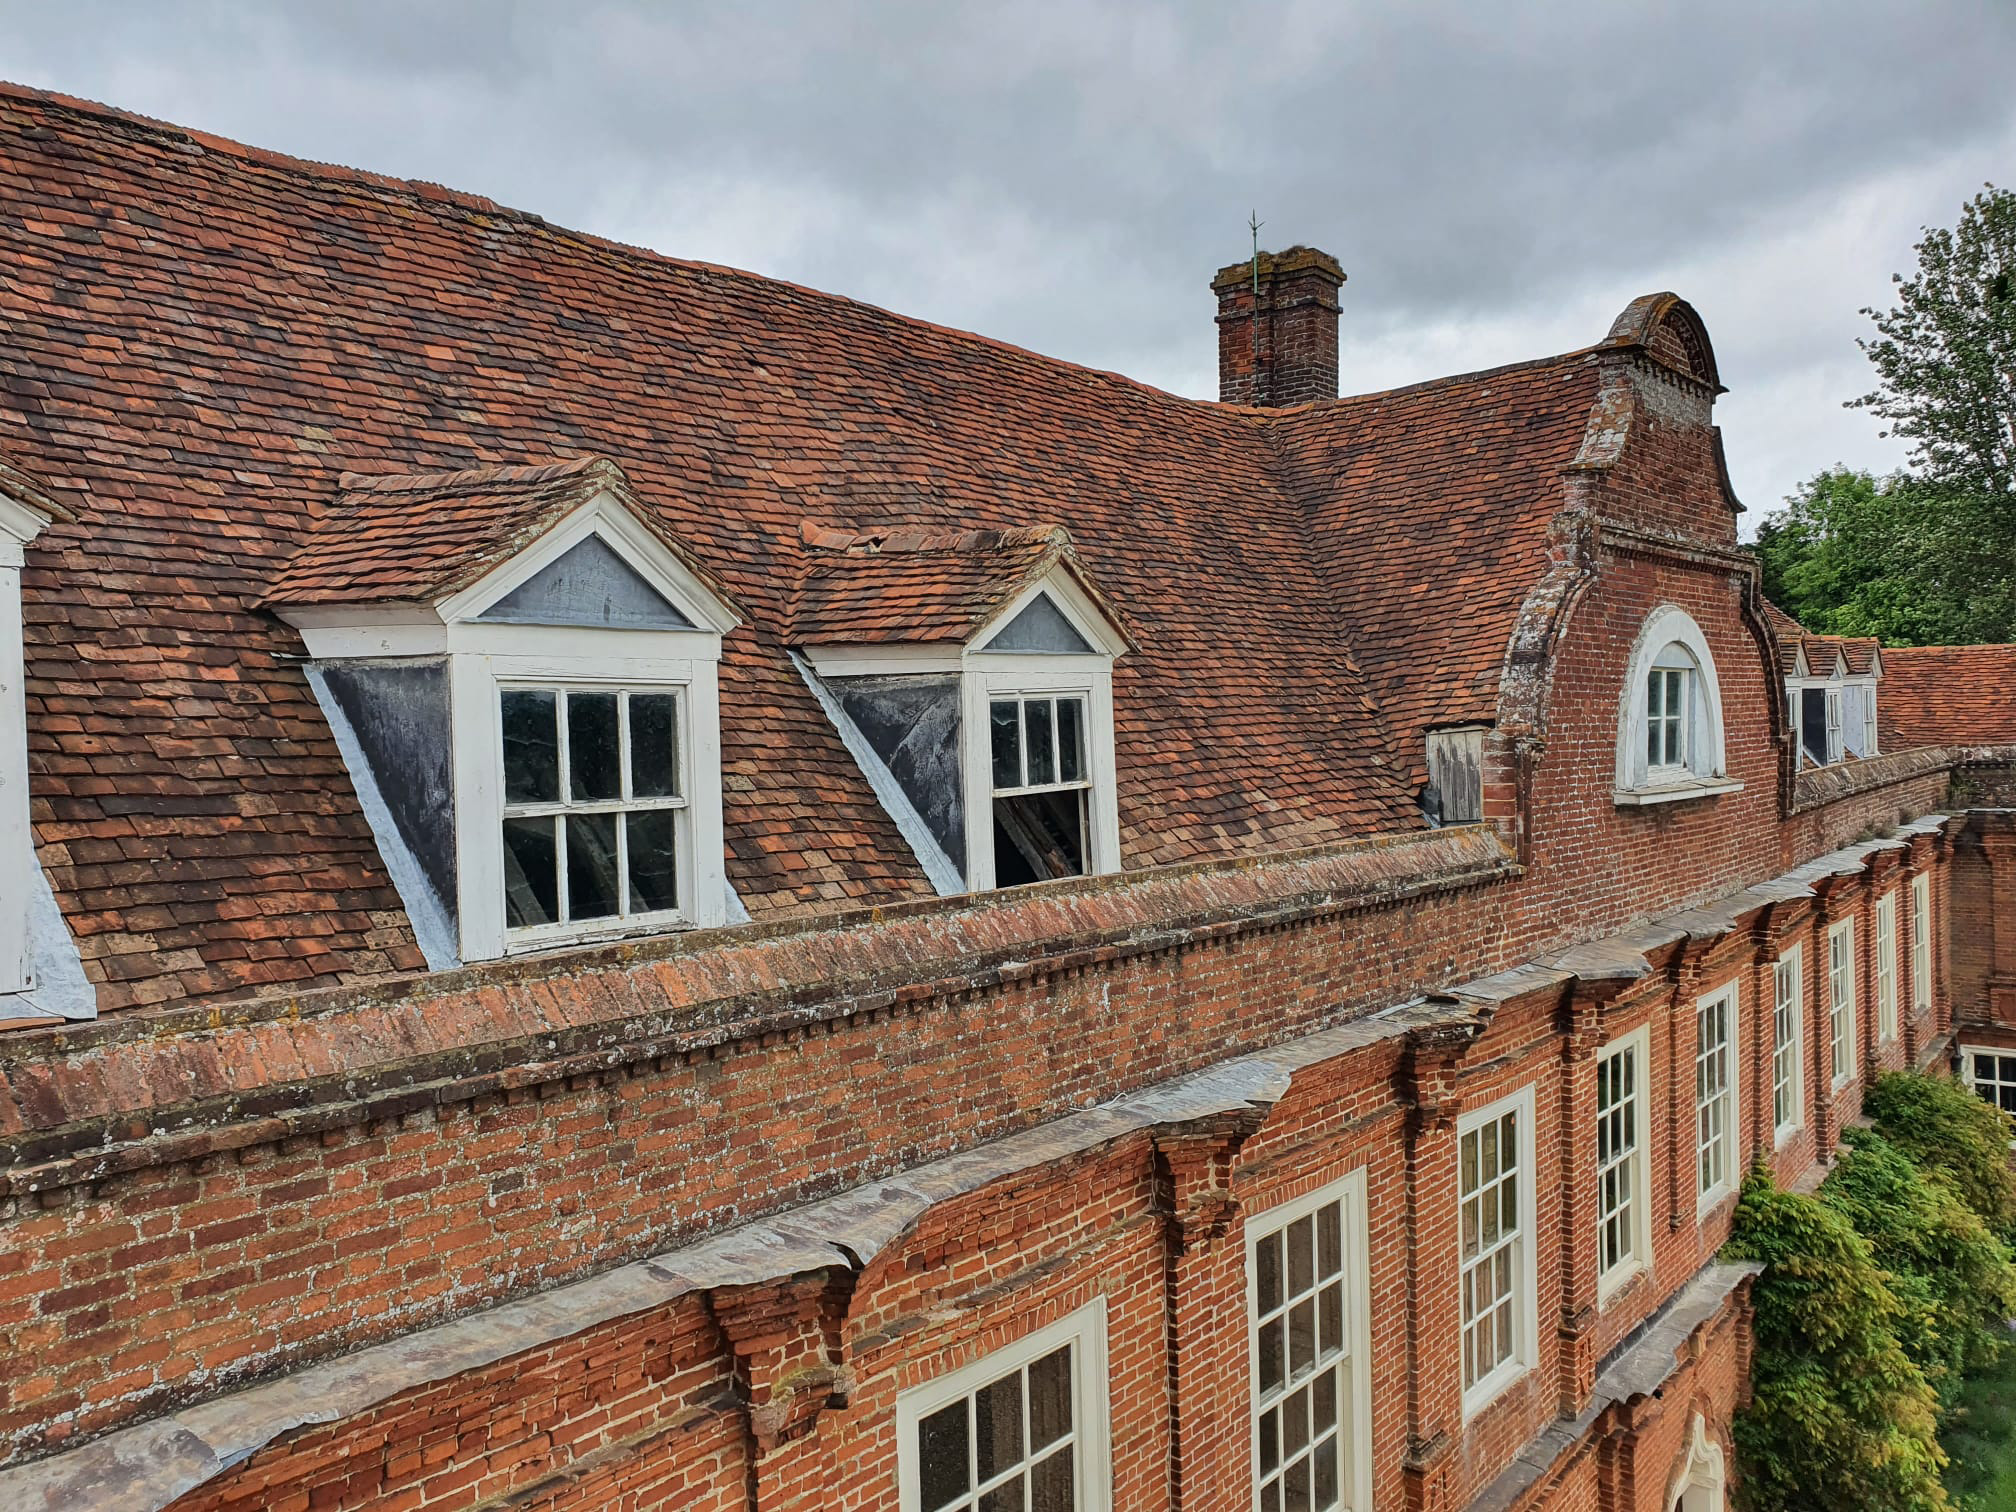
x: 1354, y: 1484
x: 482, y: 655
x: 1670, y: 640
x: 1634, y: 1163
x: 1869, y: 747
x: 1921, y: 942
x: 1836, y: 750
x: 1886, y: 966
x: 1841, y: 1009
x: 1788, y: 1043
x: 1481, y: 1393
x: 988, y: 675
x: 532, y: 935
x: 1969, y: 1073
x: 1718, y: 1117
x: 1093, y: 1467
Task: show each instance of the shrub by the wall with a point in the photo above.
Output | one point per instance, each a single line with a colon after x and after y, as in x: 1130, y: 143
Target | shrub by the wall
x: 1840, y: 1416
x: 1951, y: 1276
x: 1945, y: 1127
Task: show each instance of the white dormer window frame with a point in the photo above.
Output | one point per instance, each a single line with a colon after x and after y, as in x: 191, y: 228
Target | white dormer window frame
x: 1670, y: 727
x: 488, y: 659
x: 19, y: 524
x: 990, y: 677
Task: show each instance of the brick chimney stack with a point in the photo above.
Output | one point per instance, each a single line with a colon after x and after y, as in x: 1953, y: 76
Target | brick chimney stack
x: 1294, y: 357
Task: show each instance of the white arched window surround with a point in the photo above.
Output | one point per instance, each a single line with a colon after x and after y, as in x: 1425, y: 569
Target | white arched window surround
x: 1701, y: 1482
x: 1669, y: 727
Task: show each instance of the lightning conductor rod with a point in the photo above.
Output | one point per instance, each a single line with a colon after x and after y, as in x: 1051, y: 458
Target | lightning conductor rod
x: 1253, y: 224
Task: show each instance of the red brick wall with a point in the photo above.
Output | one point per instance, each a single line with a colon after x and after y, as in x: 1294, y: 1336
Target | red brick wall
x: 139, y: 1289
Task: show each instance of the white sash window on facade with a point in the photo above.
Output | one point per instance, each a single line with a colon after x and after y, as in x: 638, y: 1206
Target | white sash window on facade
x: 1022, y: 1429
x: 1886, y: 966
x: 1841, y: 1000
x: 1715, y: 1096
x: 1622, y: 1232
x: 1307, y: 1289
x: 1788, y: 1059
x: 1921, y: 942
x: 1494, y: 1162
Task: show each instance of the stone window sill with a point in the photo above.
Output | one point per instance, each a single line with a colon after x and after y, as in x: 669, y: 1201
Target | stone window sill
x: 1675, y: 792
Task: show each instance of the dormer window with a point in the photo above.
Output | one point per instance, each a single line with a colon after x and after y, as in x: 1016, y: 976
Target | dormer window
x: 26, y: 509
x: 1831, y: 684
x: 1669, y: 738
x: 971, y: 673
x: 520, y: 667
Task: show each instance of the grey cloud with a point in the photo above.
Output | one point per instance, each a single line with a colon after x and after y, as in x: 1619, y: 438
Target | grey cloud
x: 1067, y: 175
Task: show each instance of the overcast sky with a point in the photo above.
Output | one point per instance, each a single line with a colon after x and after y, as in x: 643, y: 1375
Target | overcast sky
x: 1497, y: 180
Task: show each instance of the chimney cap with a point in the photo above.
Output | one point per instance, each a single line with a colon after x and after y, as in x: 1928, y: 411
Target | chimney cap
x: 1297, y: 259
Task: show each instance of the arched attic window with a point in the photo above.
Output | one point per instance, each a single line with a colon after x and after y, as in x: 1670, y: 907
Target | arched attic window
x: 1669, y: 733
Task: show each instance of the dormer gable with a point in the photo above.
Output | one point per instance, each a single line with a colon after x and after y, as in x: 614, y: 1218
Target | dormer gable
x: 519, y: 665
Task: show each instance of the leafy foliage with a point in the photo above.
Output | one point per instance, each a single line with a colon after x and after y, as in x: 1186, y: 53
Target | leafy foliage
x: 1840, y: 1416
x: 1944, y: 1127
x: 1946, y: 360
x: 1924, y: 558
x: 1953, y: 1279
x: 1853, y: 554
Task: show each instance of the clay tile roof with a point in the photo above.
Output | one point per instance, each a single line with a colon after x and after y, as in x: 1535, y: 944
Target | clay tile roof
x: 423, y: 536
x: 1947, y: 695
x: 207, y: 344
x: 1857, y: 652
x: 912, y: 585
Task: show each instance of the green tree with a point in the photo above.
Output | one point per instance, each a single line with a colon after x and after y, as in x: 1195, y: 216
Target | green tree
x: 1946, y: 358
x: 1927, y: 556
x: 1853, y: 554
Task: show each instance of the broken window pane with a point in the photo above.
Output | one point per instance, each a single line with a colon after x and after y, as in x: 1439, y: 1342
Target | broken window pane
x: 1039, y: 836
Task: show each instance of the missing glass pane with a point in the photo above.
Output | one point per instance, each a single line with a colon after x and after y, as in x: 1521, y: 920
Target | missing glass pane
x: 1038, y: 837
